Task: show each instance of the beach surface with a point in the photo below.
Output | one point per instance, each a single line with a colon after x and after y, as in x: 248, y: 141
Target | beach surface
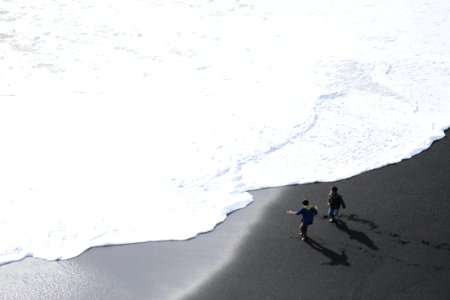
x: 391, y: 242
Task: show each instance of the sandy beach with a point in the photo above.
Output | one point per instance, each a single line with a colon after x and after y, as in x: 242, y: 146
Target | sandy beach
x: 392, y: 242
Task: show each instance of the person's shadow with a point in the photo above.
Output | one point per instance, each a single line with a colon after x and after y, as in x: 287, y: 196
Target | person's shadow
x: 356, y: 235
x: 335, y: 258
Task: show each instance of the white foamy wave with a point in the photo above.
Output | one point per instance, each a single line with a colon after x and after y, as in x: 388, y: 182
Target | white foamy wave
x: 131, y: 121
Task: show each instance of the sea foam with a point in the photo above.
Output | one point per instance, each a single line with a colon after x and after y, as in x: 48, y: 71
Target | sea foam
x: 132, y: 121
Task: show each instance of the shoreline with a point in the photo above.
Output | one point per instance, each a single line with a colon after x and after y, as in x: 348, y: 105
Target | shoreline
x: 392, y: 243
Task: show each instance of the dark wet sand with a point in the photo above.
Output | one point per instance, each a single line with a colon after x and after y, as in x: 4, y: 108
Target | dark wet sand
x: 392, y: 242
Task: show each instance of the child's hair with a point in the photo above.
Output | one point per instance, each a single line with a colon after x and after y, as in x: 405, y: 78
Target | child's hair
x: 334, y: 189
x: 305, y: 202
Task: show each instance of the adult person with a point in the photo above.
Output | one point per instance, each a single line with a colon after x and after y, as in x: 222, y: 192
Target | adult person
x: 335, y: 201
x: 307, y: 212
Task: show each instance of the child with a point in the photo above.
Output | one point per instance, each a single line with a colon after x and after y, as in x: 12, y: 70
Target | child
x: 335, y: 202
x: 307, y: 212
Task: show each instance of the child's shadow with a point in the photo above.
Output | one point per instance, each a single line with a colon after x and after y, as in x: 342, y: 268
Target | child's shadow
x: 356, y: 235
x: 336, y: 259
